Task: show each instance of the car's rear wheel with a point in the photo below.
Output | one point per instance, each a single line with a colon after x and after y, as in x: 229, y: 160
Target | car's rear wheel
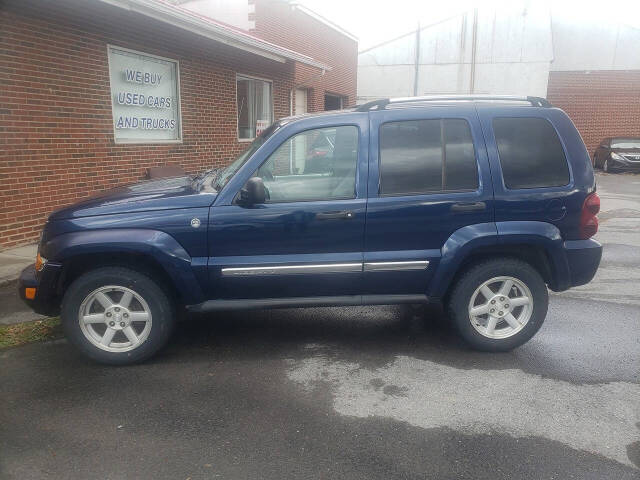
x: 116, y: 315
x: 498, y: 304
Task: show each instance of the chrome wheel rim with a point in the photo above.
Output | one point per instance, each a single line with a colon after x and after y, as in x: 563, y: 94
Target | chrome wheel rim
x: 500, y: 307
x: 115, y: 319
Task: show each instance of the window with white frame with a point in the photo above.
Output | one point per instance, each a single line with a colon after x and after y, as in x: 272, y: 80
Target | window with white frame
x: 255, y: 106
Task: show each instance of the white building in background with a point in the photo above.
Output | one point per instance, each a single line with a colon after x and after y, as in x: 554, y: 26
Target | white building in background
x: 594, y: 44
x: 507, y: 50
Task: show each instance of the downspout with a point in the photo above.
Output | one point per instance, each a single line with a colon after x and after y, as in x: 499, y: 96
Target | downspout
x: 416, y: 73
x: 474, y: 43
x: 291, y: 101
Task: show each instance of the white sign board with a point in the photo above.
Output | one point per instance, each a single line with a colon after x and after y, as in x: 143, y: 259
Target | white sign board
x: 145, y: 97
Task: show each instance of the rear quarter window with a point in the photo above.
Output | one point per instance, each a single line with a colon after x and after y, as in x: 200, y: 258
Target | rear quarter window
x: 531, y: 155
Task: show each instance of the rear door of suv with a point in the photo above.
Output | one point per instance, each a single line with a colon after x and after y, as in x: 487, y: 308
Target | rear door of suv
x: 541, y: 169
x: 428, y: 177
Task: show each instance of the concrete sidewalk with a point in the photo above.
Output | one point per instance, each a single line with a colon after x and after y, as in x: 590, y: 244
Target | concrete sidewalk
x: 14, y: 260
x: 12, y: 309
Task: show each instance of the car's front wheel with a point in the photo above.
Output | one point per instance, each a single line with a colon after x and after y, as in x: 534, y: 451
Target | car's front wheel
x: 498, y: 304
x: 116, y: 315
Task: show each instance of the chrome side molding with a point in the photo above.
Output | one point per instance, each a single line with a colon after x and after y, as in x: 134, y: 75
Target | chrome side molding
x: 396, y: 266
x: 326, y: 268
x: 293, y: 269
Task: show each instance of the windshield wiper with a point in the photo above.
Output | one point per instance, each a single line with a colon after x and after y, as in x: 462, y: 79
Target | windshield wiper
x: 216, y: 177
x: 199, y: 179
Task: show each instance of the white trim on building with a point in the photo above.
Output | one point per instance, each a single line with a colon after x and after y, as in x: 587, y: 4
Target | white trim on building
x: 323, y: 20
x: 209, y: 28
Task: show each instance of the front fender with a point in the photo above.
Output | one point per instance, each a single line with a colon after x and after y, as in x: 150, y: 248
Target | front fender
x: 160, y: 246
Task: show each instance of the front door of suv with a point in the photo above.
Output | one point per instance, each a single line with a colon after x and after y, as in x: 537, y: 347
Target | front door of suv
x: 307, y: 239
x: 428, y: 177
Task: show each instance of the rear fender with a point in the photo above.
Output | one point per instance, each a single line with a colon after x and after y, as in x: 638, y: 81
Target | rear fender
x: 548, y: 237
x: 468, y: 240
x: 457, y: 247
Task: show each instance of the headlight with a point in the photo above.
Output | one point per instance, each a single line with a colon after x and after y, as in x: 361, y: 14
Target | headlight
x: 615, y: 156
x: 40, y: 262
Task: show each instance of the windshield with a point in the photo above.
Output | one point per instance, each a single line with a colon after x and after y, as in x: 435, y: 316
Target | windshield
x: 625, y: 143
x: 221, y: 177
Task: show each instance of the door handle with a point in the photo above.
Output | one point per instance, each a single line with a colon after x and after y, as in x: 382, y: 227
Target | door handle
x: 468, y: 207
x: 344, y: 215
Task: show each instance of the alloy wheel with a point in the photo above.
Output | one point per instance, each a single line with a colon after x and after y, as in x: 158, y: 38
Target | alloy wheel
x: 500, y: 307
x: 115, y: 318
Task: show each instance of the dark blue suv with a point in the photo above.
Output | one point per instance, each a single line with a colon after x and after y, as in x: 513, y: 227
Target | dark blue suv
x: 480, y: 203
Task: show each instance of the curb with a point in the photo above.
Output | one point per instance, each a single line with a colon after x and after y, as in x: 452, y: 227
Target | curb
x: 6, y: 281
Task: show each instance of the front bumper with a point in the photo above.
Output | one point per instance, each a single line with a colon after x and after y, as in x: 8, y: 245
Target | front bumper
x: 618, y: 165
x: 583, y: 259
x: 46, y: 300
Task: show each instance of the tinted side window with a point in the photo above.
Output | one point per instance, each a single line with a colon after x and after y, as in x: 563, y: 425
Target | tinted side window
x: 531, y: 154
x: 460, y: 172
x: 317, y: 164
x: 427, y: 156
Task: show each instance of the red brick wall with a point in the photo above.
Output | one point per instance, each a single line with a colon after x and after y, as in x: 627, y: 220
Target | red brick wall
x: 277, y: 22
x: 56, y: 134
x: 600, y: 103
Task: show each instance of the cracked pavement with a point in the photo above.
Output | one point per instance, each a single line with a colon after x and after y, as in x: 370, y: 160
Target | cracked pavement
x: 363, y: 392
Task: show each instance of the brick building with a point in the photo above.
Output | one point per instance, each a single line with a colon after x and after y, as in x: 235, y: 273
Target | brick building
x: 302, y: 30
x: 601, y: 103
x: 94, y: 92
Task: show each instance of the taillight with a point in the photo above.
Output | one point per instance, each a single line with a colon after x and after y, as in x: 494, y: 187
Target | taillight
x: 588, y: 219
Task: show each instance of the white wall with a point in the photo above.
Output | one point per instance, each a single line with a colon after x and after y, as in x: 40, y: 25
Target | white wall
x: 512, y: 55
x: 232, y: 12
x: 594, y: 44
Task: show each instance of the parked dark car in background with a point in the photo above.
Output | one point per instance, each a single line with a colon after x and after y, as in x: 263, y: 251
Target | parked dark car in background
x: 618, y: 153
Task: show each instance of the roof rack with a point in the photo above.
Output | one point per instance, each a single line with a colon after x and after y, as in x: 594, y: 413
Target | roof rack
x: 382, y: 103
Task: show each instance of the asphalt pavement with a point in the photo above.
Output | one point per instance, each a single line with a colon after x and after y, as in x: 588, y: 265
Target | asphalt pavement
x: 349, y: 393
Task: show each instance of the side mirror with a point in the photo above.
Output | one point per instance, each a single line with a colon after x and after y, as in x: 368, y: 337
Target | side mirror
x: 253, y: 192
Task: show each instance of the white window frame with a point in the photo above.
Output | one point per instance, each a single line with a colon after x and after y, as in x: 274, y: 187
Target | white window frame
x: 242, y: 76
x: 179, y: 99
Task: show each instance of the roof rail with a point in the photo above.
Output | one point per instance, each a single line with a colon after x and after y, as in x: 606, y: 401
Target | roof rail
x: 382, y: 103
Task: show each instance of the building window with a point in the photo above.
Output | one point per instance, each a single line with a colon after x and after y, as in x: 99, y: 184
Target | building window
x: 145, y: 97
x: 530, y: 152
x: 255, y: 106
x: 427, y: 156
x: 333, y: 102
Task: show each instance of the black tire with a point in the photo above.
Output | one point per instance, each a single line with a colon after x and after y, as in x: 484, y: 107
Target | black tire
x: 474, y: 277
x: 158, y: 301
